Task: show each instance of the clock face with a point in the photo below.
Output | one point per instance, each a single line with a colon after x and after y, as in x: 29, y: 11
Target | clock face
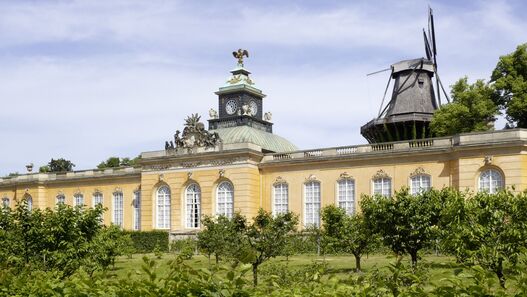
x: 231, y: 107
x: 254, y: 108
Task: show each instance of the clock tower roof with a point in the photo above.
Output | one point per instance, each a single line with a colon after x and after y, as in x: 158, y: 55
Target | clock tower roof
x: 240, y: 81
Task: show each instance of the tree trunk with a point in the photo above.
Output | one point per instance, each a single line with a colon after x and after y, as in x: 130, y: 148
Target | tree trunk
x: 217, y: 259
x: 499, y: 273
x: 413, y: 254
x: 357, y: 263
x: 255, y: 274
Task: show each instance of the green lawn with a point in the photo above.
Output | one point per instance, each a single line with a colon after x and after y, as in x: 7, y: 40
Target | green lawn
x: 438, y: 266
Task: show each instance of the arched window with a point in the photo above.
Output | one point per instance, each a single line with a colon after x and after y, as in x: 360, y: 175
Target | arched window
x: 490, y: 181
x: 382, y: 186
x: 312, y: 204
x: 420, y: 183
x: 78, y: 200
x: 137, y: 210
x: 225, y: 199
x: 5, y: 202
x: 193, y: 206
x: 97, y: 199
x: 118, y: 208
x: 346, y: 195
x: 163, y: 208
x: 281, y: 198
x: 29, y: 200
x: 61, y: 199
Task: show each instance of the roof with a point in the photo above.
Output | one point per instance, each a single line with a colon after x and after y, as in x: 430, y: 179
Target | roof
x: 245, y: 134
x: 418, y: 64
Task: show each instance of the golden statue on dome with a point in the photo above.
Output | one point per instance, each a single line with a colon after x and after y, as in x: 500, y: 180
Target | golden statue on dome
x: 239, y: 55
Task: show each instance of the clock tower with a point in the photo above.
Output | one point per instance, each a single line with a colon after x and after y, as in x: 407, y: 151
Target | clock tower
x: 240, y: 102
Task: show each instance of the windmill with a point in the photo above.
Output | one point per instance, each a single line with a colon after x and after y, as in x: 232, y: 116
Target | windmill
x: 407, y: 115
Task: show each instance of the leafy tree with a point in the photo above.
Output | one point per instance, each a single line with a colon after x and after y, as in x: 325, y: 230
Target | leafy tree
x: 266, y: 237
x: 510, y: 81
x: 472, y: 109
x: 105, y: 247
x: 490, y: 229
x: 58, y: 165
x: 114, y: 162
x: 347, y: 233
x: 406, y: 223
x: 221, y: 235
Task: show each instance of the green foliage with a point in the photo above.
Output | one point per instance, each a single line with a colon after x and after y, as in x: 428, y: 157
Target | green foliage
x: 110, y: 243
x: 220, y: 235
x: 347, y: 233
x: 114, y: 162
x: 510, y: 81
x: 59, y: 165
x: 47, y: 239
x: 472, y: 109
x: 406, y: 223
x: 488, y: 229
x: 145, y: 241
x: 185, y: 248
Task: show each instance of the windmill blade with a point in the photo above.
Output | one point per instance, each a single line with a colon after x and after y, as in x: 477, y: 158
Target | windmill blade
x: 442, y: 87
x: 378, y: 71
x: 427, y: 47
x: 433, y: 36
x: 385, y: 91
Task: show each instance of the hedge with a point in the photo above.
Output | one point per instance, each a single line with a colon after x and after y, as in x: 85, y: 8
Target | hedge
x: 146, y: 241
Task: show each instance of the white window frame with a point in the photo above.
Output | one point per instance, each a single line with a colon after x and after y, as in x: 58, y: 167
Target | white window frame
x: 78, y: 200
x: 29, y: 200
x: 312, y: 203
x: 137, y: 210
x: 60, y: 197
x: 163, y: 205
x: 385, y: 186
x: 225, y: 199
x: 280, y: 198
x: 495, y: 182
x: 118, y: 209
x: 97, y: 198
x: 193, y: 206
x: 420, y: 180
x: 346, y: 195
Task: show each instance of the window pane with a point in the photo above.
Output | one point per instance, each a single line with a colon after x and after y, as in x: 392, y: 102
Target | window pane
x: 281, y: 199
x: 118, y: 205
x: 382, y: 186
x: 193, y: 206
x: 312, y: 204
x: 61, y: 199
x: 346, y: 195
x: 490, y: 181
x: 163, y: 208
x: 225, y: 199
x: 420, y: 183
x: 78, y: 200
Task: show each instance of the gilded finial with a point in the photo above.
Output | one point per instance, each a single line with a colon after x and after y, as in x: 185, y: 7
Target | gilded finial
x: 239, y: 55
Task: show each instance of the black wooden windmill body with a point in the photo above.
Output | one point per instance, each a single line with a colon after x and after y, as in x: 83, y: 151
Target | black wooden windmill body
x: 408, y: 114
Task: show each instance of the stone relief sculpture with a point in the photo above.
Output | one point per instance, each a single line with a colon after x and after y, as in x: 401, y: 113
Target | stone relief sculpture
x: 194, y: 135
x: 268, y: 116
x: 246, y: 109
x: 213, y: 114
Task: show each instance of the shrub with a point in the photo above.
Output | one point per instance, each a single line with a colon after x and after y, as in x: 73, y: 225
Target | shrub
x: 146, y: 241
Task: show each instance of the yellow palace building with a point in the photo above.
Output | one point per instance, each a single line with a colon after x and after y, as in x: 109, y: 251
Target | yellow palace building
x: 238, y: 164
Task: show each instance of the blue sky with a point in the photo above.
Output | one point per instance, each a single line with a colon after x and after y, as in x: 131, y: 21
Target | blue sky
x: 86, y: 80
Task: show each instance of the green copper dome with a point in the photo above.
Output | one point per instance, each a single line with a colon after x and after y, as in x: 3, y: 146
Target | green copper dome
x: 245, y: 134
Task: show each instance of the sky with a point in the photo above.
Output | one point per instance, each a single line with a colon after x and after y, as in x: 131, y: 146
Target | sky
x: 86, y: 80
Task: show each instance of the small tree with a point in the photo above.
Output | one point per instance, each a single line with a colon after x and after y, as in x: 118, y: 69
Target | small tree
x: 347, y: 233
x: 472, y: 109
x: 406, y: 223
x: 490, y: 229
x: 266, y: 237
x: 59, y: 165
x: 220, y: 235
x: 114, y: 162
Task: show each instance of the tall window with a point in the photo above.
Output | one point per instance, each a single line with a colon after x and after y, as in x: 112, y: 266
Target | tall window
x: 118, y: 206
x: 382, y: 186
x: 78, y: 200
x: 137, y: 210
x: 281, y: 198
x: 193, y: 206
x: 490, y: 181
x: 225, y: 196
x: 5, y: 202
x: 29, y: 200
x: 420, y: 183
x: 346, y: 195
x: 97, y: 199
x: 61, y: 199
x: 163, y: 208
x: 312, y: 203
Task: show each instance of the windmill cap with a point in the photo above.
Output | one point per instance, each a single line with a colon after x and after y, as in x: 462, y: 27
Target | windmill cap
x: 406, y: 65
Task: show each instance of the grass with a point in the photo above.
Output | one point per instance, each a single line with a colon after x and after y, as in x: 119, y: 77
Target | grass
x: 339, y: 265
